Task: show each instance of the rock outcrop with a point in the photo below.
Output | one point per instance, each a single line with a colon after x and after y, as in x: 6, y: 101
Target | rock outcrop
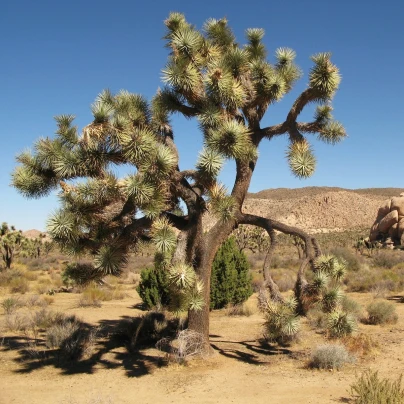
x: 388, y: 227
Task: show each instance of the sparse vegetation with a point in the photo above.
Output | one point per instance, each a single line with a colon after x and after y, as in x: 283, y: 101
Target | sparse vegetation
x: 10, y: 305
x: 330, y: 356
x: 381, y: 312
x: 370, y: 388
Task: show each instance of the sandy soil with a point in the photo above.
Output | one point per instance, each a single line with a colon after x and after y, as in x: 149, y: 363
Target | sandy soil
x: 241, y: 370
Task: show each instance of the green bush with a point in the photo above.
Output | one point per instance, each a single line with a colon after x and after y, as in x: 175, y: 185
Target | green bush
x: 369, y: 389
x: 231, y: 278
x: 153, y: 287
x: 231, y: 281
x: 381, y: 312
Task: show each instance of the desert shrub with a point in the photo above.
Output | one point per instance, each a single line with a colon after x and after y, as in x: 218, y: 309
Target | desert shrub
x: 317, y: 319
x: 11, y: 304
x: 369, y: 388
x: 231, y: 278
x: 352, y: 261
x: 56, y: 279
x: 34, y: 263
x: 35, y: 300
x: 243, y: 309
x: 367, y: 280
x: 341, y: 324
x: 153, y: 287
x: 388, y: 259
x: 69, y: 335
x: 86, y: 301
x: 19, y: 285
x: 351, y: 306
x: 381, y: 312
x: 330, y: 356
x: 7, y: 276
x: 16, y: 322
x: 93, y: 294
x: 44, y: 318
x: 360, y: 344
x: 30, y: 276
x: 284, y: 278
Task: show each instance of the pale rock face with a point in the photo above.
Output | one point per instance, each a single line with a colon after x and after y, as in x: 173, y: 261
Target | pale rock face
x: 389, y: 224
x: 397, y: 203
x: 388, y: 221
x: 383, y: 210
x: 400, y: 227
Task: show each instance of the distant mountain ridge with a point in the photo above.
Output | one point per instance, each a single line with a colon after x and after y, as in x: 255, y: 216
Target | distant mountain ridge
x: 320, y: 209
x: 282, y: 193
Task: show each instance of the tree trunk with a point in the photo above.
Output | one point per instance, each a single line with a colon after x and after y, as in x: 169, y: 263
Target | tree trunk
x: 198, y: 320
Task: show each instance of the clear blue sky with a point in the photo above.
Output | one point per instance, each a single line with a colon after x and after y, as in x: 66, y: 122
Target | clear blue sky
x: 57, y: 56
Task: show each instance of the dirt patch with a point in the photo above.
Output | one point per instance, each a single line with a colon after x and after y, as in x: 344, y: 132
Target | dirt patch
x: 243, y: 368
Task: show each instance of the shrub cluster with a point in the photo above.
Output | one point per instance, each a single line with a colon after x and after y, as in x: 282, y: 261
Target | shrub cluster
x: 231, y: 281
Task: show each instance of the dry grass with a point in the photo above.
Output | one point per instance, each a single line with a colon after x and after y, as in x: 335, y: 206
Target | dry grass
x: 93, y: 295
x: 362, y: 345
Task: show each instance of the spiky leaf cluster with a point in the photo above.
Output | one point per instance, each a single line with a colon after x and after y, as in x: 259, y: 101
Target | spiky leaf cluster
x: 186, y: 287
x: 282, y: 324
x: 325, y: 288
x: 301, y: 159
x: 341, y: 324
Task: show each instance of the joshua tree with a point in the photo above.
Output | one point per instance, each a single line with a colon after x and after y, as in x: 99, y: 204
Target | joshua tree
x: 227, y: 88
x: 251, y: 238
x: 11, y: 242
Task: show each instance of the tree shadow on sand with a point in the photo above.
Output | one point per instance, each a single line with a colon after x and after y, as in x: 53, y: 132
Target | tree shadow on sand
x: 111, y: 350
x: 255, y: 352
x: 114, y: 348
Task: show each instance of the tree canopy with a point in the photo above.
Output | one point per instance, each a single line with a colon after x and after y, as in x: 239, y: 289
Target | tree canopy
x: 228, y: 89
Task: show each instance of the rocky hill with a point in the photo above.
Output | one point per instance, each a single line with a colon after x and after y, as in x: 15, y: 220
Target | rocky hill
x: 320, y: 209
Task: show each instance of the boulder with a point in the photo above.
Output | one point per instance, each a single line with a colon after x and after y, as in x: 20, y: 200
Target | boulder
x: 374, y: 231
x: 383, y: 210
x: 400, y: 228
x: 393, y: 231
x: 397, y: 203
x: 388, y: 220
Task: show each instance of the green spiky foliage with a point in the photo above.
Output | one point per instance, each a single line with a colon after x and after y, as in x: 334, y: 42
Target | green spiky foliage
x: 325, y: 292
x: 325, y: 288
x: 227, y: 88
x: 12, y: 242
x: 282, y: 325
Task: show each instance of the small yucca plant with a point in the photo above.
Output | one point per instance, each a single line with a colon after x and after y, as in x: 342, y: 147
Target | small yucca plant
x: 341, y: 324
x: 282, y: 324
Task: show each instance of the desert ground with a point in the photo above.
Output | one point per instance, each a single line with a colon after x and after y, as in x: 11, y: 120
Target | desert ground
x: 241, y: 369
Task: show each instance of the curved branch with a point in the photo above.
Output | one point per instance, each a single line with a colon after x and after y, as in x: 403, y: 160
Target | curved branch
x: 312, y: 249
x: 304, y: 98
